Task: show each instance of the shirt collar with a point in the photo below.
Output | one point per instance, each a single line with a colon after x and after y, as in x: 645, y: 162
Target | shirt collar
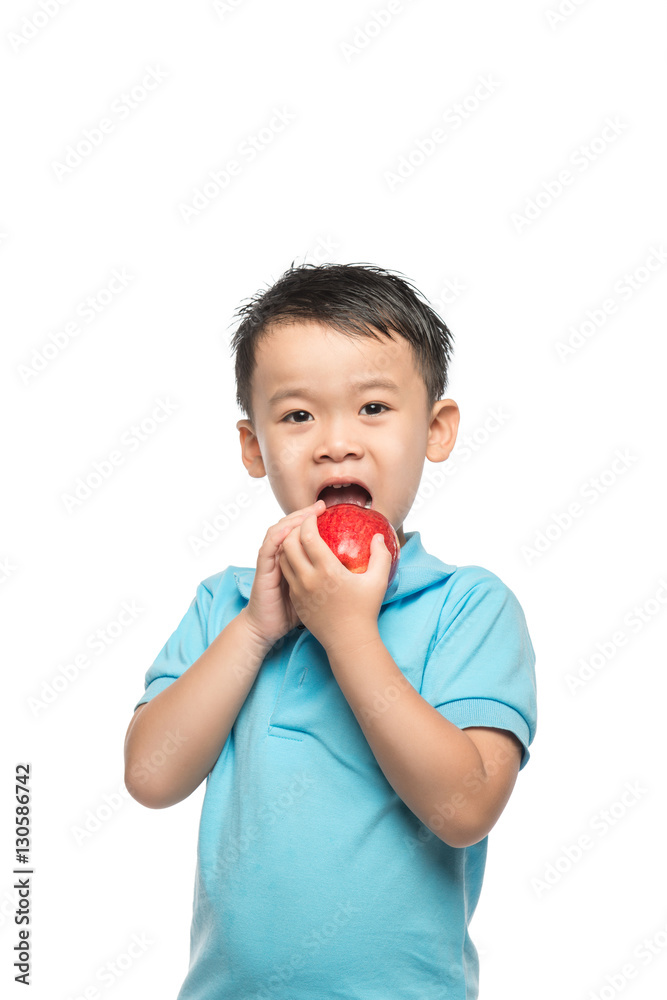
x: 417, y: 570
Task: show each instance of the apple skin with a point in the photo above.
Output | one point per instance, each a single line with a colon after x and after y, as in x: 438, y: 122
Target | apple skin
x: 348, y: 529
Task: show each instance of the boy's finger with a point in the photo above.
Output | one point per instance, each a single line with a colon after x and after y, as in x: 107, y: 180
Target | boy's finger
x: 306, y: 511
x: 294, y: 547
x: 311, y: 540
x: 290, y: 521
x: 298, y: 516
x: 379, y: 552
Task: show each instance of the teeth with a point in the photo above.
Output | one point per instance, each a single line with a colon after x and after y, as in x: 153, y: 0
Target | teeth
x: 338, y: 486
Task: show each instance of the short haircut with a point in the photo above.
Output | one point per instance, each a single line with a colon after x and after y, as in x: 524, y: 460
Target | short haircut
x: 352, y: 299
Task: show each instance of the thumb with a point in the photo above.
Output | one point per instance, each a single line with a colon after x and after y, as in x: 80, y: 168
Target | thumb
x: 379, y: 552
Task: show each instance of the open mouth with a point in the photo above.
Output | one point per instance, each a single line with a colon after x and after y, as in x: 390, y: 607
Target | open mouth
x: 351, y: 493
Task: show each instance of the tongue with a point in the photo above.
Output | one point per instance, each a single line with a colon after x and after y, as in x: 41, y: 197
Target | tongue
x: 344, y: 494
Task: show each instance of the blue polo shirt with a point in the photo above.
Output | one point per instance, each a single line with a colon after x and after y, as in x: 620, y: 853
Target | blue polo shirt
x: 314, y: 880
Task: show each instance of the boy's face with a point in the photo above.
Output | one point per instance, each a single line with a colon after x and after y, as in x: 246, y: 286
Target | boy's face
x: 325, y: 426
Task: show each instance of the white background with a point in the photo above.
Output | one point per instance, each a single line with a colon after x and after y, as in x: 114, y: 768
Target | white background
x: 107, y: 868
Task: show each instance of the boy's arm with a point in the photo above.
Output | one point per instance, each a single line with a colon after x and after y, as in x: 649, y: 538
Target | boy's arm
x: 174, y: 740
x: 457, y: 782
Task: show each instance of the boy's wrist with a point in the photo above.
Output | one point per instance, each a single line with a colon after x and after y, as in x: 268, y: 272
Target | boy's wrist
x: 260, y: 644
x: 348, y: 644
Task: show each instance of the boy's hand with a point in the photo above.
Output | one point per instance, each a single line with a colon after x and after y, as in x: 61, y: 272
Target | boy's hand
x: 339, y: 607
x: 270, y: 612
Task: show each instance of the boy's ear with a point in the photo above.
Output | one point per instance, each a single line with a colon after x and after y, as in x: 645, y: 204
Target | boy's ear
x: 250, y: 453
x: 443, y: 429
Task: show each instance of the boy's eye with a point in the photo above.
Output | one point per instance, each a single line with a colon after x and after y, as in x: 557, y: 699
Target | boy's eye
x: 296, y: 413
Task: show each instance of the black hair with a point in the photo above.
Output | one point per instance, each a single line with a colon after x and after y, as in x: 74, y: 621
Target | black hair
x: 350, y: 298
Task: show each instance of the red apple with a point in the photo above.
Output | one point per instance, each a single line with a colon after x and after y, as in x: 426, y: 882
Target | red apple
x: 348, y: 528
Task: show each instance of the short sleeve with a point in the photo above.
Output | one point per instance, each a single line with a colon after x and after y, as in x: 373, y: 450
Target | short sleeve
x: 481, y: 669
x: 183, y: 647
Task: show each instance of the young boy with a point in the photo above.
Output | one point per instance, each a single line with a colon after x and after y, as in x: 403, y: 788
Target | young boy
x: 358, y: 741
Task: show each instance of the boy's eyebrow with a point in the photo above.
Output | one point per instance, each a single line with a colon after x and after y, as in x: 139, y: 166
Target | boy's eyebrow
x: 359, y: 385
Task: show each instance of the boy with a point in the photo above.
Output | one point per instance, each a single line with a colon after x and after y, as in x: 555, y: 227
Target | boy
x: 358, y: 741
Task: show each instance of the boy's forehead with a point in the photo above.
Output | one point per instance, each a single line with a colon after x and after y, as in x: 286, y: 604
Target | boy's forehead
x: 290, y: 352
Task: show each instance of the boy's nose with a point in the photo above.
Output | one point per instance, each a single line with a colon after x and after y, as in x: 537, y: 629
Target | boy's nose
x: 336, y: 443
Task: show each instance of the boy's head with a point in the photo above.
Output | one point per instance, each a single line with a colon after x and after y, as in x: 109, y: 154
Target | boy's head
x: 316, y: 332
